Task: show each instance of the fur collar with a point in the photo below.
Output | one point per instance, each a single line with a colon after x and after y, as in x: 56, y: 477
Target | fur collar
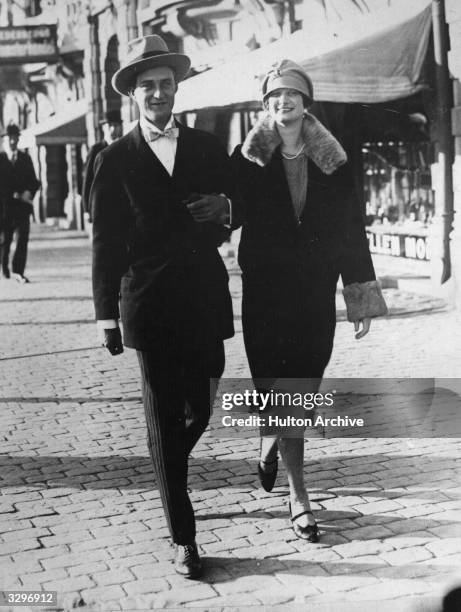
x: 321, y: 146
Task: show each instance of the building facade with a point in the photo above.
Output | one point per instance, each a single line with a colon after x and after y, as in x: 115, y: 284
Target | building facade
x: 415, y: 177
x: 92, y: 42
x: 453, y: 19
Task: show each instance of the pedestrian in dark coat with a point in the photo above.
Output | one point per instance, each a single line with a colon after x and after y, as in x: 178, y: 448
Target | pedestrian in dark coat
x: 160, y: 205
x: 18, y: 186
x: 112, y: 129
x: 303, y: 230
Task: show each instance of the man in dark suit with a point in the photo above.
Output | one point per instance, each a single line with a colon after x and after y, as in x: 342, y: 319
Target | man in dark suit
x: 112, y: 130
x: 18, y: 185
x: 160, y: 208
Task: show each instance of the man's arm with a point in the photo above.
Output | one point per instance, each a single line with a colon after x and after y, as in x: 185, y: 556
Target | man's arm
x: 31, y: 183
x: 224, y: 207
x: 110, y: 226
x: 88, y: 176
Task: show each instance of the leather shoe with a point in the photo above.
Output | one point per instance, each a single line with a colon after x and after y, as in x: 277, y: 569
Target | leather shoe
x: 187, y: 562
x: 6, y: 273
x: 20, y: 278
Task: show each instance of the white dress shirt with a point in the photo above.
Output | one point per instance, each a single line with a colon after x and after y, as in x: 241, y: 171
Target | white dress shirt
x: 164, y: 148
x: 12, y: 155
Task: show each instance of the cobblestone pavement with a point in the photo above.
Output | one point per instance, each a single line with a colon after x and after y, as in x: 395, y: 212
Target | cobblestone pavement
x: 80, y: 512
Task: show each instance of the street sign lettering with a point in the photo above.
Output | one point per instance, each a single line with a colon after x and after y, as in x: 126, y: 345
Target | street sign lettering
x: 27, y: 44
x: 399, y: 245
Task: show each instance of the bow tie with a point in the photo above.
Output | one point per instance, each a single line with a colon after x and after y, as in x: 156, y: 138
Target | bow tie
x: 172, y: 133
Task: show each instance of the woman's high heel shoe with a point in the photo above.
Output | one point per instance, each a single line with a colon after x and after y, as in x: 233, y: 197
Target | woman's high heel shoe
x: 267, y: 479
x: 309, y: 532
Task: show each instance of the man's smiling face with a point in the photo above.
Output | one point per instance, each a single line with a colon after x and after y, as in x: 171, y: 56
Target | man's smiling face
x: 154, y: 93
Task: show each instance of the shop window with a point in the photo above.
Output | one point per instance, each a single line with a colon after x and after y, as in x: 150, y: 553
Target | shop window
x: 32, y: 8
x: 397, y: 184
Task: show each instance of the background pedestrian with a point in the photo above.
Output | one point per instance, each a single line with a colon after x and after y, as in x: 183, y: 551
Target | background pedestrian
x: 18, y: 186
x: 112, y: 129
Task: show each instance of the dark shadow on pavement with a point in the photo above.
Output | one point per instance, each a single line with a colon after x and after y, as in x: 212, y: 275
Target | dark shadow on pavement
x: 53, y: 471
x: 216, y: 568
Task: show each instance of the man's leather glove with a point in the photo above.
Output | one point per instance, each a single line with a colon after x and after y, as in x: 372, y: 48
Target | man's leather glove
x: 113, y: 341
x: 208, y: 207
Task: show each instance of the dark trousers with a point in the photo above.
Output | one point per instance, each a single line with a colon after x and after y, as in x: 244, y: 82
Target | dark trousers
x: 15, y: 222
x: 176, y: 394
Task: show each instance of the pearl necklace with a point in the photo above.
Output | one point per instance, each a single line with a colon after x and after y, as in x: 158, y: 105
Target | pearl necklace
x: 294, y: 155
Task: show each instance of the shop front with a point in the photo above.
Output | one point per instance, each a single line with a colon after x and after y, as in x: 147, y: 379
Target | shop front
x: 57, y: 144
x: 379, y: 104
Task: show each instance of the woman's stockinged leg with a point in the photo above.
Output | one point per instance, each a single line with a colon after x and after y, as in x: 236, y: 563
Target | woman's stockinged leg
x: 292, y: 452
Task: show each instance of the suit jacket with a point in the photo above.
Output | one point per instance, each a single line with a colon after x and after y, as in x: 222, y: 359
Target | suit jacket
x: 88, y: 174
x: 17, y: 177
x: 148, y: 250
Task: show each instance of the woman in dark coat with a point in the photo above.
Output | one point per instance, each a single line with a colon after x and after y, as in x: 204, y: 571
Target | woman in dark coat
x: 303, y: 230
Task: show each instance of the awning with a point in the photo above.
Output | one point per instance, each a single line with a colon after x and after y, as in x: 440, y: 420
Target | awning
x: 377, y: 58
x: 65, y: 127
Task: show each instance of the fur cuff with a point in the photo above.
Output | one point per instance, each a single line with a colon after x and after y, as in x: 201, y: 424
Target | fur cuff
x: 321, y: 146
x: 364, y: 300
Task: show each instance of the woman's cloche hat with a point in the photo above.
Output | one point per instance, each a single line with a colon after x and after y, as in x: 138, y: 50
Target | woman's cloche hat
x: 148, y: 52
x: 290, y: 75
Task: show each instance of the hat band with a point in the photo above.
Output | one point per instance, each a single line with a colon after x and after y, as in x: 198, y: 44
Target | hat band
x: 148, y: 54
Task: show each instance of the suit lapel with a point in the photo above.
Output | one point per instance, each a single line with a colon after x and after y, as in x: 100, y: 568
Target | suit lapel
x: 183, y: 153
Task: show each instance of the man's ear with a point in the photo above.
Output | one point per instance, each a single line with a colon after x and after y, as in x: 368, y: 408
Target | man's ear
x: 131, y: 90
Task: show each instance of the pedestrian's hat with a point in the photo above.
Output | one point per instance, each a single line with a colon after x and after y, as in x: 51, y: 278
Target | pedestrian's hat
x: 148, y: 52
x: 288, y: 74
x: 12, y: 130
x: 112, y: 116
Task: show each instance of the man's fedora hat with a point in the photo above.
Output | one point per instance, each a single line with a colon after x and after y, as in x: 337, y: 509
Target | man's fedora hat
x: 12, y: 130
x: 148, y: 52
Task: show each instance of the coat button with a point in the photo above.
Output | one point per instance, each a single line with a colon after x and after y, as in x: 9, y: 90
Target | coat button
x: 194, y: 251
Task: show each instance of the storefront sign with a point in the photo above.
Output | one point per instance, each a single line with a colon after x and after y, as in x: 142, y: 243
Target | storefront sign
x: 28, y: 44
x: 399, y: 245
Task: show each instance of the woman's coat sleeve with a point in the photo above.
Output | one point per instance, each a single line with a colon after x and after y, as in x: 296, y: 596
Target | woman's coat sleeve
x: 362, y: 292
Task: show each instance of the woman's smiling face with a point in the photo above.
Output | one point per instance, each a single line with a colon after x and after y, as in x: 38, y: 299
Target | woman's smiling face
x: 285, y: 105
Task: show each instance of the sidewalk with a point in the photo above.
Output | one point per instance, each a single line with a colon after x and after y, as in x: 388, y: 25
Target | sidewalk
x: 80, y: 512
